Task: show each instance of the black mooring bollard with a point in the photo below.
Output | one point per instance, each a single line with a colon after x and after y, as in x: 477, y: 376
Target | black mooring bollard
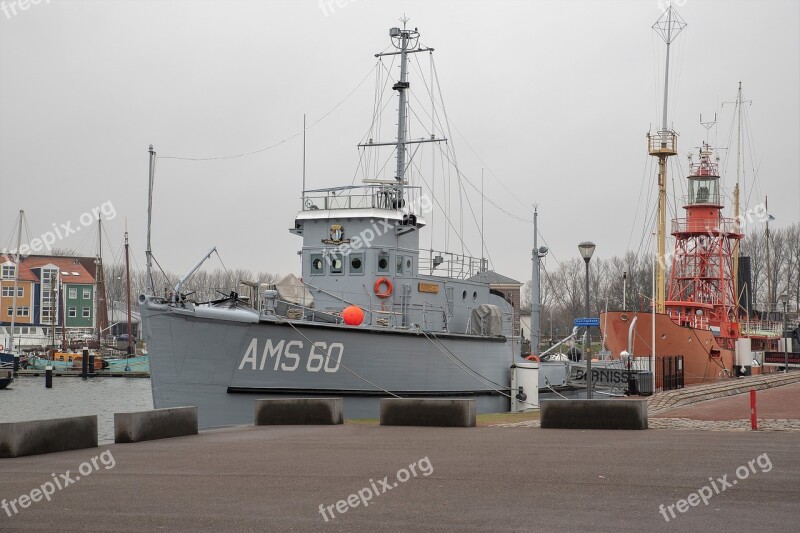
x: 91, y: 365
x: 48, y: 377
x: 85, y: 363
x: 16, y: 365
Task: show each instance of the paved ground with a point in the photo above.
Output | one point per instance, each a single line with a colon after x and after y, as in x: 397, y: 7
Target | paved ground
x: 719, y: 389
x: 480, y: 479
x: 775, y: 403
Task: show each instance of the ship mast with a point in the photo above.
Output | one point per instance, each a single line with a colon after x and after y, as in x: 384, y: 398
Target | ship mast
x: 406, y: 42
x: 736, y: 206
x: 664, y: 144
x: 536, y: 305
x: 150, y: 289
x: 769, y: 269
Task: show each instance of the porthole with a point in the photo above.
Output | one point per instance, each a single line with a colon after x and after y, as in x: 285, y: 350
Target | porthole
x: 337, y: 265
x: 663, y: 335
x: 475, y: 296
x: 464, y: 295
x: 383, y: 263
x: 356, y: 264
x: 317, y: 264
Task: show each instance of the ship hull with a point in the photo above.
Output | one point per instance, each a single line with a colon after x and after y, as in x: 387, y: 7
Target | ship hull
x: 704, y: 359
x: 222, y: 364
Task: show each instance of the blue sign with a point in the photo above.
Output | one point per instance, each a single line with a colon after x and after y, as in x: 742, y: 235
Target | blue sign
x: 583, y: 322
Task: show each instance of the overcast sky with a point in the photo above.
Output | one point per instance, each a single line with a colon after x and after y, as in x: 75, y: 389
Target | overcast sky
x: 555, y: 98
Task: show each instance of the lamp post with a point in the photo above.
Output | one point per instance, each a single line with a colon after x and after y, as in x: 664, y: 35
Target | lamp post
x: 587, y: 249
x: 784, y: 298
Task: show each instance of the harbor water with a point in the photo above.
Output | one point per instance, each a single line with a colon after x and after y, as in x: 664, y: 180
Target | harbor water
x: 28, y: 399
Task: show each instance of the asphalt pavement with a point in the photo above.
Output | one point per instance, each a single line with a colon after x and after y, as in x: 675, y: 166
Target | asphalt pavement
x: 371, y: 478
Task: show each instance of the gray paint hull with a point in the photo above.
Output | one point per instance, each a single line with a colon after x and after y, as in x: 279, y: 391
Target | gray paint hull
x: 221, y: 366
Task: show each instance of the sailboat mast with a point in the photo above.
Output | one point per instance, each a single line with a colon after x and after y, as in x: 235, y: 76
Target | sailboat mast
x: 663, y: 145
x: 63, y: 318
x: 16, y: 281
x: 97, y: 268
x: 128, y: 287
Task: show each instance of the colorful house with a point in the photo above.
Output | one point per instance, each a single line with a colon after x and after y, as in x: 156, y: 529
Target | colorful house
x: 51, y: 292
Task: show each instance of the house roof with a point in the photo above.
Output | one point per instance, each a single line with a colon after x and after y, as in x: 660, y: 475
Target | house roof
x: 493, y: 278
x: 68, y: 266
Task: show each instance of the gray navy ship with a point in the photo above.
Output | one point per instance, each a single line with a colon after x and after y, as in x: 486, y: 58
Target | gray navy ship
x: 373, y: 316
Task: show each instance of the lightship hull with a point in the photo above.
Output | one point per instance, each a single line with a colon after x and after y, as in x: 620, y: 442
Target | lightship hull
x: 222, y: 364
x: 704, y: 359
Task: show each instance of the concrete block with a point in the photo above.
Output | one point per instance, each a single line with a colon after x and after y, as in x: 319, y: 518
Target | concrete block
x: 47, y: 436
x: 441, y: 412
x: 299, y: 411
x: 155, y: 424
x: 594, y: 414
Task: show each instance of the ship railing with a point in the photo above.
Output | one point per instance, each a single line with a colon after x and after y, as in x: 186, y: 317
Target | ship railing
x: 451, y: 265
x: 689, y: 320
x: 761, y: 328
x: 365, y: 197
x: 720, y: 226
x: 662, y: 143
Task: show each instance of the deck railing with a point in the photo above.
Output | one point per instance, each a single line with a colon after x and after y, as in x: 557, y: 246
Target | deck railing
x: 371, y: 197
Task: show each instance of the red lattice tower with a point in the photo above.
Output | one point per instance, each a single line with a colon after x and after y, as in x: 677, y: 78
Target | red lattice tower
x: 701, y: 289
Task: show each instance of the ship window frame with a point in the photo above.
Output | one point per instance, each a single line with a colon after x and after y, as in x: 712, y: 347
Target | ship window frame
x: 385, y: 269
x: 399, y: 265
x: 332, y: 259
x: 359, y: 270
x: 317, y: 259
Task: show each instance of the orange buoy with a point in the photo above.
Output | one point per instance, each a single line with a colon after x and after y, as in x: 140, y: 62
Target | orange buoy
x: 379, y: 291
x: 532, y: 358
x: 353, y: 315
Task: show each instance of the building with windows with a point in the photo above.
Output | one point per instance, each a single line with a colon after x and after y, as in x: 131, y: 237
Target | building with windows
x: 52, y: 293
